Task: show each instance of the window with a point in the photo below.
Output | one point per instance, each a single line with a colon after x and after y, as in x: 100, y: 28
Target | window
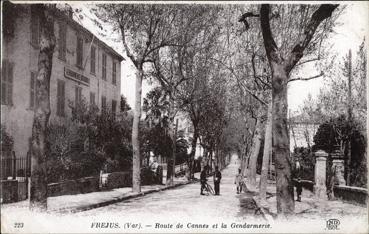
x: 114, y: 79
x: 62, y: 40
x: 60, y: 98
x: 114, y: 106
x: 93, y: 60
x: 35, y: 28
x: 33, y: 94
x: 78, y: 95
x: 7, y: 83
x: 92, y: 99
x: 104, y: 66
x: 103, y: 103
x: 79, y: 52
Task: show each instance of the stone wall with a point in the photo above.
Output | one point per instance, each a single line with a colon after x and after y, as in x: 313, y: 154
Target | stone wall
x: 351, y: 194
x: 118, y: 180
x: 9, y: 191
x: 70, y: 187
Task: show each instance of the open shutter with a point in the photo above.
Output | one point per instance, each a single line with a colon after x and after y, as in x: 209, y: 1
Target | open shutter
x: 62, y: 105
x: 10, y: 84
x: 32, y: 91
x: 4, y: 83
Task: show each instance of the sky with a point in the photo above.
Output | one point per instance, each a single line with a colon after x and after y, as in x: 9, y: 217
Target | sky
x: 349, y: 35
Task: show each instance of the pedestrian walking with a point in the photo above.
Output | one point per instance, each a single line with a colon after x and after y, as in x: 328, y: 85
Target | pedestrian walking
x: 202, y: 180
x: 238, y: 181
x: 217, y: 178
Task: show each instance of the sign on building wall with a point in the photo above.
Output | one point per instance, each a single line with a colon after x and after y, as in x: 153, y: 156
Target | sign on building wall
x: 68, y: 73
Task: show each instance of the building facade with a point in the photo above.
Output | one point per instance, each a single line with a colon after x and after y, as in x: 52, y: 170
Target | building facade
x: 83, y: 67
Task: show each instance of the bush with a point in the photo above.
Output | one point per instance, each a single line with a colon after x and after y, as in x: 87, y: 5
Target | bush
x: 7, y: 141
x: 337, y: 133
x: 87, y: 143
x: 119, y: 180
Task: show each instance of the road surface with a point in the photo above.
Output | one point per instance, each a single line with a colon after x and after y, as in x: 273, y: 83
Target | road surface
x: 186, y: 203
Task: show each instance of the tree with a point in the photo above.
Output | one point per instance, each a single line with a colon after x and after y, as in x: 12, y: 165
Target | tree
x: 144, y: 29
x: 284, y: 63
x: 124, y: 106
x: 40, y: 145
x: 266, y: 155
x: 281, y: 66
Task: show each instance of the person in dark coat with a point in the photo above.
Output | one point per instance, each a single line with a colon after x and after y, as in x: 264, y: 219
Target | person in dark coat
x: 203, y: 180
x: 217, y: 178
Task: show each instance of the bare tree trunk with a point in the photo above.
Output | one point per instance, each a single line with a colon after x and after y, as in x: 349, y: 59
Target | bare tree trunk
x: 211, y: 160
x: 349, y: 116
x: 171, y: 160
x: 40, y: 145
x: 281, y: 149
x: 193, y: 152
x: 266, y: 155
x: 136, y: 162
x: 251, y: 171
x: 244, y: 161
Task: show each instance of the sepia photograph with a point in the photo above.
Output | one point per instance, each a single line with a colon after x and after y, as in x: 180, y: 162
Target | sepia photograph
x: 184, y: 116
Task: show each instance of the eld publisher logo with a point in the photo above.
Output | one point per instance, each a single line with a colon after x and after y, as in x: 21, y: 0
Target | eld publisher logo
x: 332, y: 224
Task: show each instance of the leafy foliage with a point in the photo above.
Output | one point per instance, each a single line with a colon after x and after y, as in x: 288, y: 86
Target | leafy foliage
x: 87, y: 143
x: 7, y: 141
x: 336, y: 133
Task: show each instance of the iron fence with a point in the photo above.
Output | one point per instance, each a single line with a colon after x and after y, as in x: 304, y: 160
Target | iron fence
x: 13, y: 167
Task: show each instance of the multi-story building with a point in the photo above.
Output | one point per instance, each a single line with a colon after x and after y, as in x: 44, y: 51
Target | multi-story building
x: 83, y: 67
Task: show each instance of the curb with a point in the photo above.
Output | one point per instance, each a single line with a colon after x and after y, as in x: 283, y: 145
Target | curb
x: 110, y: 202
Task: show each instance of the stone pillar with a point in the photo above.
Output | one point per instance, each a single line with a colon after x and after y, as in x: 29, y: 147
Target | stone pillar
x: 320, y: 188
x: 339, y: 166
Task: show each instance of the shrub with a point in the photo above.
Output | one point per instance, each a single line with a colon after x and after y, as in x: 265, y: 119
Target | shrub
x: 337, y: 133
x: 119, y: 179
x: 87, y: 143
x: 7, y: 141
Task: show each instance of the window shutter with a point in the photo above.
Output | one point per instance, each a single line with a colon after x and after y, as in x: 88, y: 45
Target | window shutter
x: 62, y: 40
x: 4, y: 83
x: 92, y: 98
x: 114, y: 80
x: 76, y: 96
x: 60, y: 98
x: 113, y: 106
x: 58, y: 93
x: 32, y: 91
x: 104, y: 66
x: 79, y: 51
x: 10, y: 83
x: 62, y: 103
x: 35, y: 33
x: 93, y: 60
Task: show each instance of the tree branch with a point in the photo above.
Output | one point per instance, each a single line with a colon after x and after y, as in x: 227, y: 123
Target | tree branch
x: 128, y: 52
x: 269, y: 43
x: 323, y: 12
x: 307, y: 78
x: 239, y: 83
x: 244, y: 17
x: 254, y: 71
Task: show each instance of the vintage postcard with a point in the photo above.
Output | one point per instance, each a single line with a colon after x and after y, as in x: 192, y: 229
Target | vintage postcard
x: 184, y: 117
